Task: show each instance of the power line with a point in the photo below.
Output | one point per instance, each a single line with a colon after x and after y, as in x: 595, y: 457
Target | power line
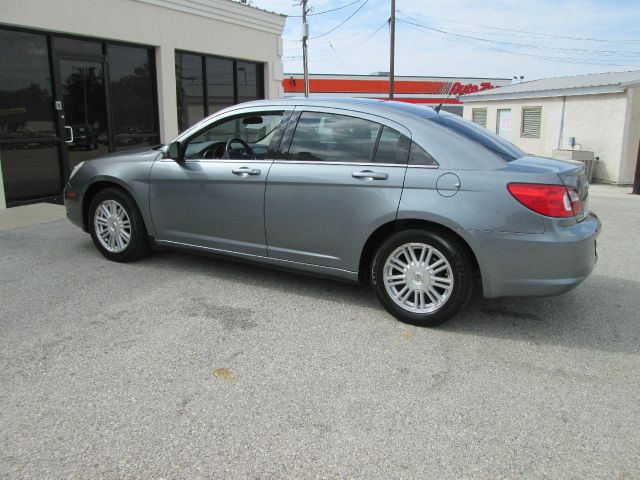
x: 328, y: 11
x: 465, y: 39
x: 342, y: 51
x: 537, y: 34
x: 607, y: 53
x: 341, y: 23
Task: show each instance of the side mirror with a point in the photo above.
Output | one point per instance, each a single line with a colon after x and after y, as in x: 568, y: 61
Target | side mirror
x: 174, y: 151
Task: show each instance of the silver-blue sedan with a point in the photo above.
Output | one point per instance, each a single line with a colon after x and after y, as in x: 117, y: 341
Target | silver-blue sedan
x: 422, y: 205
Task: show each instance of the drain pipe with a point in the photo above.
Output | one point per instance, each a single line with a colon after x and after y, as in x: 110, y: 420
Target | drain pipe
x: 560, y: 134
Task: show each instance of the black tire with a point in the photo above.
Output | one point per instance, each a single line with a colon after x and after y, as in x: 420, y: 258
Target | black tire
x: 461, y: 268
x: 138, y: 245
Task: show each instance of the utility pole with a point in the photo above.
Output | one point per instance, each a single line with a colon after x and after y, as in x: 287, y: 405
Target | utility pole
x: 305, y: 35
x: 392, y: 24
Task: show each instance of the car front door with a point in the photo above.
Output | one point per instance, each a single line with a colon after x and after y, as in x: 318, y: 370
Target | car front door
x: 340, y: 178
x: 214, y: 197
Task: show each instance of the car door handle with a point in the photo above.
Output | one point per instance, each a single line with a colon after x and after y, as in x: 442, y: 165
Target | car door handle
x: 244, y: 171
x: 370, y: 175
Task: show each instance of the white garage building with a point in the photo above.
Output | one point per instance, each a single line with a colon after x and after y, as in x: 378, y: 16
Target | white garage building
x: 118, y: 74
x: 598, y: 113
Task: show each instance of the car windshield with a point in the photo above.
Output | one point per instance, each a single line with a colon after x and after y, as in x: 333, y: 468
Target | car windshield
x: 498, y: 145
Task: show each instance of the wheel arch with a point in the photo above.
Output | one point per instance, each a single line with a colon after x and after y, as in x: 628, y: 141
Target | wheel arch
x: 382, y: 232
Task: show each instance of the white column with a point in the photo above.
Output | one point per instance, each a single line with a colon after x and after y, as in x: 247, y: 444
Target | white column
x: 167, y: 102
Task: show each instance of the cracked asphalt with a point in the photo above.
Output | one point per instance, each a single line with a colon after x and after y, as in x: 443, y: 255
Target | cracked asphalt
x: 183, y: 366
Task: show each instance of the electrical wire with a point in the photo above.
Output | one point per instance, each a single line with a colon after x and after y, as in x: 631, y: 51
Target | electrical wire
x: 341, y: 23
x: 343, y: 51
x: 536, y: 34
x: 310, y: 14
x: 567, y: 60
x: 528, y: 45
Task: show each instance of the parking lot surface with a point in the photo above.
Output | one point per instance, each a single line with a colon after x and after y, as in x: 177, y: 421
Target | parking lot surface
x: 183, y: 366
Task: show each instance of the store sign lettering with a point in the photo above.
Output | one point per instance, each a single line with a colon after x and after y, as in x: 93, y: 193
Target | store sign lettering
x: 460, y: 89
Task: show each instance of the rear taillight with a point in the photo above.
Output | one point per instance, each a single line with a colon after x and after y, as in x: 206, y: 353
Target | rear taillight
x: 550, y: 200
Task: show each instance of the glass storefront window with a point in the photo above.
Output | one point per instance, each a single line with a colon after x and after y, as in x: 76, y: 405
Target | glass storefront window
x: 190, y: 91
x: 247, y: 74
x: 25, y: 86
x: 76, y: 46
x: 133, y: 105
x: 227, y: 82
x: 219, y: 83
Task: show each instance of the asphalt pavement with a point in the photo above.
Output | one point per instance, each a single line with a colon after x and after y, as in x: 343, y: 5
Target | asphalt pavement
x: 183, y: 366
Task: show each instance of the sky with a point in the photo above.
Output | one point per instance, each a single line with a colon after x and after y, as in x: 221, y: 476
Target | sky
x: 465, y: 38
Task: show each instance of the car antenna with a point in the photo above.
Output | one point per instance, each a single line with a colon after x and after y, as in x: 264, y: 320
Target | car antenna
x: 439, y: 106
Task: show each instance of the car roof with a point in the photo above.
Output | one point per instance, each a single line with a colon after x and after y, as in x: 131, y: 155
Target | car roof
x: 385, y: 108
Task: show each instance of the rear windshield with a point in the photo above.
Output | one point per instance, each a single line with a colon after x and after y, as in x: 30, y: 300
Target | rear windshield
x: 498, y: 145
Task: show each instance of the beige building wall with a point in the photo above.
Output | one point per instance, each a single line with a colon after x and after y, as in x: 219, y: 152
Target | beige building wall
x: 607, y: 124
x: 215, y: 27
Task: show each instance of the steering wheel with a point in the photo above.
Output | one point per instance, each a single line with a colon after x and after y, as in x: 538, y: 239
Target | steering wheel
x: 216, y: 151
x: 247, y: 147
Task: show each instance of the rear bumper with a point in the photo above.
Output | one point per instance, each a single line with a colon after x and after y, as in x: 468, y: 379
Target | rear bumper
x: 537, y: 264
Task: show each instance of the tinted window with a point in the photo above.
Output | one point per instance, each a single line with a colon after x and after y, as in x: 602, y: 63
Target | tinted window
x: 130, y: 71
x: 419, y: 156
x: 25, y: 86
x: 482, y: 136
x: 255, y: 129
x: 333, y: 138
x: 189, y: 89
x: 393, y: 147
x: 249, y: 82
x: 77, y: 47
x: 219, y: 83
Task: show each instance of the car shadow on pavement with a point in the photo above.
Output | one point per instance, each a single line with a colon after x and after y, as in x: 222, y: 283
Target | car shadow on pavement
x: 600, y: 314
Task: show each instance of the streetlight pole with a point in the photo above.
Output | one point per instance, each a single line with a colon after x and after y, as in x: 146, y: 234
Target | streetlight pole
x: 392, y: 49
x: 305, y: 35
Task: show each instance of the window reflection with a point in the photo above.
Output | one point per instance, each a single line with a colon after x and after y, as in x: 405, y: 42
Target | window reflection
x: 190, y: 92
x: 218, y: 76
x: 132, y: 96
x: 219, y: 83
x: 25, y: 87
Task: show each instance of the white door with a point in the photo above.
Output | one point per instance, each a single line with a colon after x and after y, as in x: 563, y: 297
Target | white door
x: 504, y: 123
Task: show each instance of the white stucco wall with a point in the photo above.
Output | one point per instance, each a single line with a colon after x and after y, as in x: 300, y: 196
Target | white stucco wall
x: 215, y: 27
x: 598, y: 122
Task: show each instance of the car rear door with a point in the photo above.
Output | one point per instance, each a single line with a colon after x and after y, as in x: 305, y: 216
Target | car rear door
x: 337, y: 177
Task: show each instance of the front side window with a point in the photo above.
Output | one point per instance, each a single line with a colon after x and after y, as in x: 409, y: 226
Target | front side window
x: 256, y: 130
x: 326, y: 137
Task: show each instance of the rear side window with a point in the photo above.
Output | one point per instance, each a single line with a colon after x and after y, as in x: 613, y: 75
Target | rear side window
x: 393, y: 147
x: 507, y: 151
x: 328, y: 137
x: 419, y: 156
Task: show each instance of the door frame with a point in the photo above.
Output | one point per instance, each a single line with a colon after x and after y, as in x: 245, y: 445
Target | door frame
x: 57, y: 96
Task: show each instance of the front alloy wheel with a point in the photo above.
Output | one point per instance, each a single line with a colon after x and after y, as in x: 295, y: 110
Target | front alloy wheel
x: 112, y: 225
x: 422, y: 277
x: 116, y: 226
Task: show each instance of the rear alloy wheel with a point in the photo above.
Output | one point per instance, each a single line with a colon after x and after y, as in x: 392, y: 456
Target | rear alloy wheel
x: 422, y: 277
x: 116, y: 226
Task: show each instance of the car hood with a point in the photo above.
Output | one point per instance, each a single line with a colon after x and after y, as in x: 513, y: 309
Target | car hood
x: 131, y: 155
